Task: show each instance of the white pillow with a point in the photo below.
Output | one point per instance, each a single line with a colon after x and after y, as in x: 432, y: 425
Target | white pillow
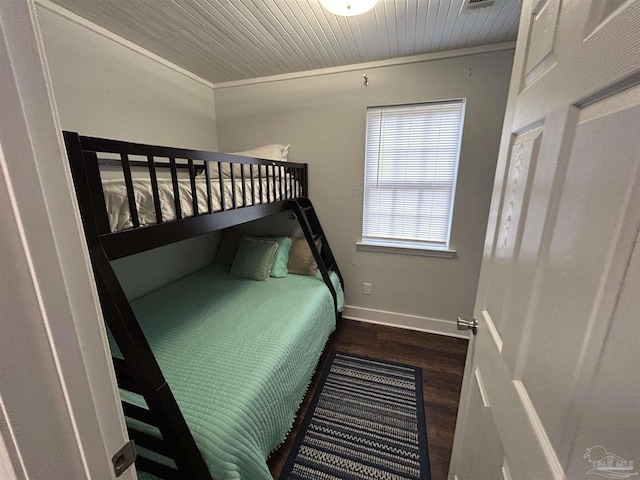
x: 273, y: 151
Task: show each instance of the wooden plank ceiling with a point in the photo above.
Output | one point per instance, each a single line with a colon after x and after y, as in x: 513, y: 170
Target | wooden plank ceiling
x: 226, y: 40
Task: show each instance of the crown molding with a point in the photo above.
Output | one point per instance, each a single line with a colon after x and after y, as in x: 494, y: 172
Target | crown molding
x: 77, y: 19
x: 83, y: 22
x: 426, y: 57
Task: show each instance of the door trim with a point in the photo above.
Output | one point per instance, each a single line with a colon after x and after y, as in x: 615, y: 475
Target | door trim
x: 61, y: 388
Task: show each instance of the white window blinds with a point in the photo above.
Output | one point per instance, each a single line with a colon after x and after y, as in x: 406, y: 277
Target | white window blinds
x: 411, y: 165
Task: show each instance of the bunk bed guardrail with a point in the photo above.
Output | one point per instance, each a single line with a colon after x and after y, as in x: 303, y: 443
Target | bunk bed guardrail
x: 198, y: 183
x: 206, y: 191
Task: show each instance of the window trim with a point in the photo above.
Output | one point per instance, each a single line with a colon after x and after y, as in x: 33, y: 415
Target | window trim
x: 406, y: 250
x: 412, y: 247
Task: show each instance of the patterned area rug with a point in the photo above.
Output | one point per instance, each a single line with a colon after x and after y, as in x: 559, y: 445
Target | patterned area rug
x: 366, y: 421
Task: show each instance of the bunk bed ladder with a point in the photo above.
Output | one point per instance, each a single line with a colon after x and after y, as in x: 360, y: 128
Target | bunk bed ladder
x: 303, y: 208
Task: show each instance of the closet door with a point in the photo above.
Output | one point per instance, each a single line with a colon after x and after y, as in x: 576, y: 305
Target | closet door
x: 551, y: 383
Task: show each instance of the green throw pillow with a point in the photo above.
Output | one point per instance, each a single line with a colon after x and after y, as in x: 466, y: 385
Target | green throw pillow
x: 280, y: 261
x: 254, y: 258
x: 279, y: 267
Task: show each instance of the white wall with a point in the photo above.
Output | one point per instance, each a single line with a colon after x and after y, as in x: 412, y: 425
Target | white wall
x: 106, y: 87
x: 323, y: 117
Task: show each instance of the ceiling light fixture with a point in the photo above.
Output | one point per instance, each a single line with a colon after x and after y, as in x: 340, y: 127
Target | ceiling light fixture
x: 348, y: 8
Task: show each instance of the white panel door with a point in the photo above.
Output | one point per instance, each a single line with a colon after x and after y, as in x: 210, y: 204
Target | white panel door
x: 552, y: 381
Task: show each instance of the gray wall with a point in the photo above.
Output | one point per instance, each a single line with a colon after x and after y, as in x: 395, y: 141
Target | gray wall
x: 153, y: 269
x: 105, y: 89
x: 323, y: 117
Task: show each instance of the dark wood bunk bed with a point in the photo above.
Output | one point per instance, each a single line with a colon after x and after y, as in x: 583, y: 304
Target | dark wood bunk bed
x: 207, y: 192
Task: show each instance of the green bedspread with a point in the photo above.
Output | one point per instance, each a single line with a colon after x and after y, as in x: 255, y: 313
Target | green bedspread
x: 238, y: 355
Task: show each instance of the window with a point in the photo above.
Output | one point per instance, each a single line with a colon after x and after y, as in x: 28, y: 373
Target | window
x: 411, y: 165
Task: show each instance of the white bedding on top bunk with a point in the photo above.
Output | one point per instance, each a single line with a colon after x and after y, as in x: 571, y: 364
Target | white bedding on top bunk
x: 117, y: 203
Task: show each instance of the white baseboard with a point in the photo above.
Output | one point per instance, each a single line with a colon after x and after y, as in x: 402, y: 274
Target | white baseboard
x: 401, y: 320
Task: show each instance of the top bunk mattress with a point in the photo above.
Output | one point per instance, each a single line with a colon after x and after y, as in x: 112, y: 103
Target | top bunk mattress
x: 245, y: 193
x: 238, y: 355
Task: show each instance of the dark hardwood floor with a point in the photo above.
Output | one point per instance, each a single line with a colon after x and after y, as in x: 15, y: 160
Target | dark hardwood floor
x: 442, y: 361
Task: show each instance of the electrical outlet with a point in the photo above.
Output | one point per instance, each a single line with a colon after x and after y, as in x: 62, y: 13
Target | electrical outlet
x: 368, y: 290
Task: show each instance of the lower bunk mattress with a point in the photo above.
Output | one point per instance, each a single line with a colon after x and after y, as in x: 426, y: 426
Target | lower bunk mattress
x: 238, y: 355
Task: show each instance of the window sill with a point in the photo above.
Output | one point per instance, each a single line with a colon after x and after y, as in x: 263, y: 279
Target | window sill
x: 423, y: 252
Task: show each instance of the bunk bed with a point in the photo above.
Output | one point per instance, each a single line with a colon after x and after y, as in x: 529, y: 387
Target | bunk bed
x: 208, y: 386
